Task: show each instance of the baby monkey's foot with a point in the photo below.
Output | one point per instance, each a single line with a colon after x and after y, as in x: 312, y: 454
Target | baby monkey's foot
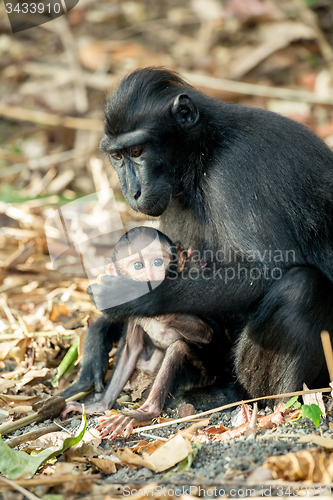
x: 123, y: 423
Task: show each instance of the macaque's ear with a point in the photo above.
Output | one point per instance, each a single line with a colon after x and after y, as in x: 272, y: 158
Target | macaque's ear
x: 112, y: 269
x: 182, y: 256
x: 184, y: 110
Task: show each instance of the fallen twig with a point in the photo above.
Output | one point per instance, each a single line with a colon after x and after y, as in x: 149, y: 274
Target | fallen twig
x: 32, y: 435
x: 225, y: 407
x: 49, y: 119
x: 253, y: 89
x: 19, y: 488
x: 325, y: 338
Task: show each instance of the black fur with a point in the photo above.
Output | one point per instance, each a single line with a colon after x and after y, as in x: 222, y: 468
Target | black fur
x: 226, y: 177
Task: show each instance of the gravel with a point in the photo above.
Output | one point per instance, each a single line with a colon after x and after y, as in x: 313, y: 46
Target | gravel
x: 217, y: 463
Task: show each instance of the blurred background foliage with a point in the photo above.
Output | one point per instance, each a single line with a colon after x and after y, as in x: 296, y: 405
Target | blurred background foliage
x: 55, y: 79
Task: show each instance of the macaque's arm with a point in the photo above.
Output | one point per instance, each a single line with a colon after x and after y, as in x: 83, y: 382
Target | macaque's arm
x: 189, y: 326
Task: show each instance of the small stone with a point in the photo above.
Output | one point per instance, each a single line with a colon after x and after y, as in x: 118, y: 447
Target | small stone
x: 144, y: 472
x: 186, y: 410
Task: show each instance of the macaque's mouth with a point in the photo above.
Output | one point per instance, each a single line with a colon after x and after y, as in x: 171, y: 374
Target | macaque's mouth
x: 157, y: 208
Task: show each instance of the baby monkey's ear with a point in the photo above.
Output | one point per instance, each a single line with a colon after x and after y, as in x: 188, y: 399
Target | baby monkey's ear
x: 182, y: 256
x: 112, y: 269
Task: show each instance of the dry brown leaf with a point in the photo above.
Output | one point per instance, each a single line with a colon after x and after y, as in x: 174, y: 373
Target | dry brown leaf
x: 252, y: 8
x: 5, y: 385
x: 139, y: 382
x: 19, y: 370
x: 243, y: 416
x: 167, y: 455
x: 14, y: 401
x: 31, y: 375
x: 89, y: 443
x: 57, y: 311
x: 15, y: 349
x: 145, y: 446
x: 190, y: 432
x: 274, y: 37
x: 105, y: 465
x: 220, y: 433
x: 98, y: 54
x: 49, y: 440
x: 311, y: 465
x: 128, y: 457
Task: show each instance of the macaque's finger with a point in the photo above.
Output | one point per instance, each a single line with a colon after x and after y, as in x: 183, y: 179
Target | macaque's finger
x: 105, y: 279
x: 72, y: 406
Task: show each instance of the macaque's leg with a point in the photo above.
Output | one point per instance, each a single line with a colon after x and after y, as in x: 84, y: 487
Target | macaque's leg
x: 124, y: 369
x: 189, y: 326
x: 181, y: 367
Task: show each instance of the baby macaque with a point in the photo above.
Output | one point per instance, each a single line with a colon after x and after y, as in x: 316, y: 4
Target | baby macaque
x: 174, y: 349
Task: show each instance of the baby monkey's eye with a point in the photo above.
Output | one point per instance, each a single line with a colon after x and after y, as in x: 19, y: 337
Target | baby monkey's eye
x: 158, y: 262
x: 117, y: 156
x: 138, y: 265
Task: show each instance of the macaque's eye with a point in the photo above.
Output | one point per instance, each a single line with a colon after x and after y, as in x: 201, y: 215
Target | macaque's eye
x: 138, y: 265
x: 158, y: 262
x: 135, y: 152
x: 117, y: 156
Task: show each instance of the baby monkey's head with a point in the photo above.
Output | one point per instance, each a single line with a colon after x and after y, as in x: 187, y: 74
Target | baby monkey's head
x: 146, y: 254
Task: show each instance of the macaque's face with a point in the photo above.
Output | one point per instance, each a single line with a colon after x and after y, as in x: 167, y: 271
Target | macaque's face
x: 149, y: 264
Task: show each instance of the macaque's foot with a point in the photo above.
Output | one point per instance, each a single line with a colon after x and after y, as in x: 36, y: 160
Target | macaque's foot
x: 124, y: 423
x: 99, y: 407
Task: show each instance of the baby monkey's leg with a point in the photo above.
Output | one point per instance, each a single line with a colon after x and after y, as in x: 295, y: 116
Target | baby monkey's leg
x: 125, y: 366
x: 191, y: 327
x: 181, y: 367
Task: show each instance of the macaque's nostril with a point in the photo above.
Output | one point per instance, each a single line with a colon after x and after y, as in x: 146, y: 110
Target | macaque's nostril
x: 137, y: 194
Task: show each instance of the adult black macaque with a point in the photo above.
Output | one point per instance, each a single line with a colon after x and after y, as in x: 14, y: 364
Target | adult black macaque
x: 256, y: 190
x: 179, y: 351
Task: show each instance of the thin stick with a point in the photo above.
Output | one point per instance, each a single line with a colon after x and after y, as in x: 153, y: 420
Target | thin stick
x: 40, y: 163
x: 327, y: 346
x: 254, y: 89
x: 49, y: 119
x: 15, y: 486
x: 230, y: 405
x: 32, y: 435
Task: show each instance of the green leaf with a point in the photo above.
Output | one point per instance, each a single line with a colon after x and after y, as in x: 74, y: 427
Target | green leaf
x: 313, y: 412
x: 66, y: 363
x: 55, y: 496
x: 14, y: 463
x: 293, y: 402
x: 309, y: 3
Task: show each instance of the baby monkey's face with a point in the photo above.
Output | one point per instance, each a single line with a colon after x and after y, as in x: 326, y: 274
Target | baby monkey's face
x: 149, y: 264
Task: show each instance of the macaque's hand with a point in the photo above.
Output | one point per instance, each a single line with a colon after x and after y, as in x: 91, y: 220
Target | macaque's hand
x: 99, y: 407
x: 116, y: 290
